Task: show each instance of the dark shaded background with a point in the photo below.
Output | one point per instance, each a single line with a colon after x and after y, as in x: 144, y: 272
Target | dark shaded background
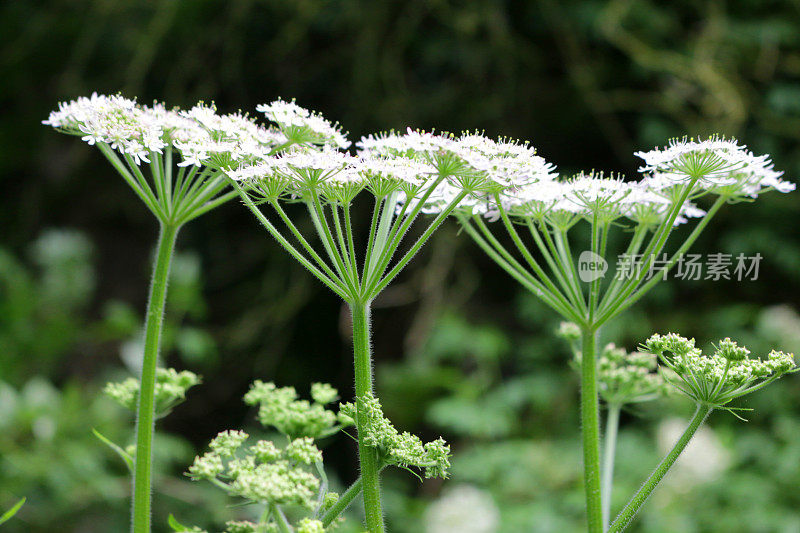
x: 587, y: 82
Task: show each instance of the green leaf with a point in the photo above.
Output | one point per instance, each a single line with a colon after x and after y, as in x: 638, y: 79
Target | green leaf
x: 122, y: 453
x: 11, y: 512
x: 175, y: 525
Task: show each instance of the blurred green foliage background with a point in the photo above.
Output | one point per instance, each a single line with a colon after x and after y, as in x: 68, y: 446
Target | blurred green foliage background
x: 461, y: 350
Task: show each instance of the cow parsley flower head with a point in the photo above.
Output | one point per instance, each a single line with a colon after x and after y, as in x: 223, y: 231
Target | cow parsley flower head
x: 324, y: 393
x: 595, y: 196
x: 241, y: 526
x: 385, y: 175
x: 472, y: 161
x: 113, y: 120
x: 224, y: 140
x: 295, y: 418
x: 718, y: 378
x: 302, y: 126
x: 649, y: 203
x: 170, y: 390
x: 412, y: 144
x: 721, y: 166
x: 395, y: 448
x: 628, y: 377
x: 310, y: 525
x: 201, y: 136
x: 277, y: 478
x: 226, y: 443
x: 569, y: 331
x: 503, y: 163
x: 472, y: 166
x: 328, y: 172
x: 535, y: 199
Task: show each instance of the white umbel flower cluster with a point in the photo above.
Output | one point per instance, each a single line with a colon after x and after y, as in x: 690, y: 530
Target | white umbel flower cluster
x: 623, y: 377
x: 471, y: 162
x: 302, y: 149
x: 302, y: 125
x: 527, y: 186
x: 200, y: 135
x: 721, y: 166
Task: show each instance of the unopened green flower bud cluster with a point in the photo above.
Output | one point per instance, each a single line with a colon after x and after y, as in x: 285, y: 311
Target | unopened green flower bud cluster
x: 628, y: 377
x: 395, y: 448
x: 623, y: 377
x: 306, y: 525
x: 716, y: 379
x: 261, y: 472
x: 171, y: 387
x: 270, y: 475
x: 280, y: 407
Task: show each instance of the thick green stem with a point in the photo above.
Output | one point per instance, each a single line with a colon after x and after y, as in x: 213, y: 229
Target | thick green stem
x: 624, y: 518
x: 145, y: 414
x: 367, y: 455
x: 590, y: 425
x: 609, y: 450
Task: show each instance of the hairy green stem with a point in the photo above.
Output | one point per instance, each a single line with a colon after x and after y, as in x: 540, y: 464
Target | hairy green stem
x: 590, y: 426
x: 342, y: 503
x: 145, y: 415
x: 367, y: 455
x: 626, y: 515
x: 280, y: 519
x: 609, y: 450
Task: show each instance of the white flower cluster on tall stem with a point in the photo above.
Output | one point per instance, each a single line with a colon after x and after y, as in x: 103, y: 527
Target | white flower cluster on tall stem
x: 303, y: 125
x: 200, y: 135
x: 724, y: 166
x: 540, y: 214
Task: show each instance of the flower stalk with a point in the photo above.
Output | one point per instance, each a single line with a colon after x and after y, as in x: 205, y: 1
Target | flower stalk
x: 145, y: 413
x: 609, y: 452
x: 590, y: 425
x: 368, y: 458
x: 141, y: 143
x: 550, y: 208
x: 632, y: 507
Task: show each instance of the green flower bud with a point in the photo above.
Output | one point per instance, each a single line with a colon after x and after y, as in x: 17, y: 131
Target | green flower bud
x: 208, y: 466
x: 226, y: 443
x: 241, y: 527
x: 731, y: 351
x: 323, y: 393
x: 308, y: 525
x: 569, y: 331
